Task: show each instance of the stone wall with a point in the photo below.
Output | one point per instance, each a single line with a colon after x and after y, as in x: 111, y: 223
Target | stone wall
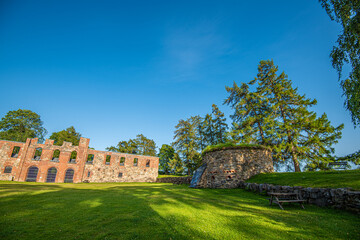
x: 174, y: 180
x: 146, y: 169
x: 341, y: 198
x: 226, y: 168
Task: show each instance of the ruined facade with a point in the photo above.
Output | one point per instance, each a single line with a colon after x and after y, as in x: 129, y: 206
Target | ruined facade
x: 226, y: 168
x: 35, y: 162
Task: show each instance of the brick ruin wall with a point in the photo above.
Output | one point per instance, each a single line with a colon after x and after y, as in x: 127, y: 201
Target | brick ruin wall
x: 229, y: 167
x: 144, y: 170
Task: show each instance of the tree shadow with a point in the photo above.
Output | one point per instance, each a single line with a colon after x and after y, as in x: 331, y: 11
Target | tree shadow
x: 155, y: 211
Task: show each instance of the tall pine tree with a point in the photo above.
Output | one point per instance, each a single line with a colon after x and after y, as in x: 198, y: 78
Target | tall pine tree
x: 275, y: 114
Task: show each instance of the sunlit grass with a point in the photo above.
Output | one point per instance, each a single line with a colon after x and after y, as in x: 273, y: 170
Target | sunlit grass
x: 321, y: 179
x: 159, y: 211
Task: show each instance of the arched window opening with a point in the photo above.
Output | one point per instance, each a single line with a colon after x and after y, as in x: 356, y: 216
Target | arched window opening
x: 37, y: 154
x: 90, y: 159
x: 56, y: 156
x: 122, y: 161
x: 73, y: 157
x: 69, y: 175
x: 120, y: 175
x: 135, y: 162
x: 8, y: 169
x: 89, y: 173
x: 108, y: 158
x: 32, y: 174
x: 147, y: 163
x: 51, y: 175
x: 15, y: 152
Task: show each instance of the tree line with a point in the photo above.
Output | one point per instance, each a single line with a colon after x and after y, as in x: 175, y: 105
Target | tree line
x: 18, y: 125
x: 268, y: 111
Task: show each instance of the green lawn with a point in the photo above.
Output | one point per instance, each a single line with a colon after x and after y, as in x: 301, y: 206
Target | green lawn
x: 159, y: 211
x: 322, y: 179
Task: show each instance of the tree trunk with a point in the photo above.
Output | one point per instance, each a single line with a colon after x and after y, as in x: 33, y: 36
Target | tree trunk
x: 296, y: 162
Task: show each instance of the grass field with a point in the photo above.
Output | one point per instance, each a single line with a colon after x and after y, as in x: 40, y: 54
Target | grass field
x: 159, y: 211
x: 322, y: 179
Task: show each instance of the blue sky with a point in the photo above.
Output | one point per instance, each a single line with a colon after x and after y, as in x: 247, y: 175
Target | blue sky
x: 114, y: 69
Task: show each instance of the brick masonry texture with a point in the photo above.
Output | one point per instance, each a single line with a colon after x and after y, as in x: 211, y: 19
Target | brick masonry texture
x: 228, y: 167
x: 341, y: 198
x: 97, y: 171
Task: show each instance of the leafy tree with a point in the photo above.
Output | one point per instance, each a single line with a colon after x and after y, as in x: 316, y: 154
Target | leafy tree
x: 281, y: 118
x: 21, y: 124
x: 166, y: 154
x: 67, y: 135
x: 186, y: 142
x: 175, y: 164
x: 347, y: 50
x: 140, y: 145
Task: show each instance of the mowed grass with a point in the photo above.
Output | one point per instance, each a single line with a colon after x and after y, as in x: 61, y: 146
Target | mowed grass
x: 321, y: 179
x: 159, y: 211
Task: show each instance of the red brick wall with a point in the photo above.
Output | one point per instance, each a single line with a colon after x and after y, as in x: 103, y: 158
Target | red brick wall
x: 99, y: 171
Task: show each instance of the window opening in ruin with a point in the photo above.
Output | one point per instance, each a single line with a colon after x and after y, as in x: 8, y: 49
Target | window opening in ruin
x: 69, y: 175
x: 212, y: 177
x: 90, y: 159
x: 73, y: 157
x: 51, y: 175
x: 135, y: 162
x: 147, y: 163
x: 120, y: 175
x: 15, y: 152
x: 8, y: 169
x: 37, y: 154
x: 56, y: 156
x: 228, y: 178
x: 32, y: 174
x: 122, y: 161
x: 108, y: 158
x: 88, y: 174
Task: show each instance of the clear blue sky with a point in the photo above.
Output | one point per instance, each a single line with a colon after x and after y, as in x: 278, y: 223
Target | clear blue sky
x: 114, y: 69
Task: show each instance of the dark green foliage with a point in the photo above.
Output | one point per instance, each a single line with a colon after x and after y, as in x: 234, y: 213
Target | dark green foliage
x: 347, y: 50
x: 276, y: 115
x: 67, y: 135
x: 212, y: 129
x: 141, y: 145
x: 353, y: 157
x: 320, y: 179
x: 187, y: 142
x: 230, y: 145
x: 169, y: 161
x: 21, y: 124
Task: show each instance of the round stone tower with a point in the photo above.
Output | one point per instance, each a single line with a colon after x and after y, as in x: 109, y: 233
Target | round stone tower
x: 226, y: 167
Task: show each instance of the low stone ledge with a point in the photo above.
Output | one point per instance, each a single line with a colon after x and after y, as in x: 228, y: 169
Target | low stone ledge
x: 174, y: 180
x: 340, y: 198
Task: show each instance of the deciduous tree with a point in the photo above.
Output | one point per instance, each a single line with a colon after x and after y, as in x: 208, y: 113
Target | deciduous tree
x: 67, y: 135
x: 186, y: 142
x: 347, y: 50
x: 140, y: 145
x: 21, y: 124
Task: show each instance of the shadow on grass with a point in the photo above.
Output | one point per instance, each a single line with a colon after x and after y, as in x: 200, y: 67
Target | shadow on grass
x: 158, y: 211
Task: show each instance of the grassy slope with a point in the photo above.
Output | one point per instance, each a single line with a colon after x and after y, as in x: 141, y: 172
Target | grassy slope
x: 159, y: 211
x: 323, y: 179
